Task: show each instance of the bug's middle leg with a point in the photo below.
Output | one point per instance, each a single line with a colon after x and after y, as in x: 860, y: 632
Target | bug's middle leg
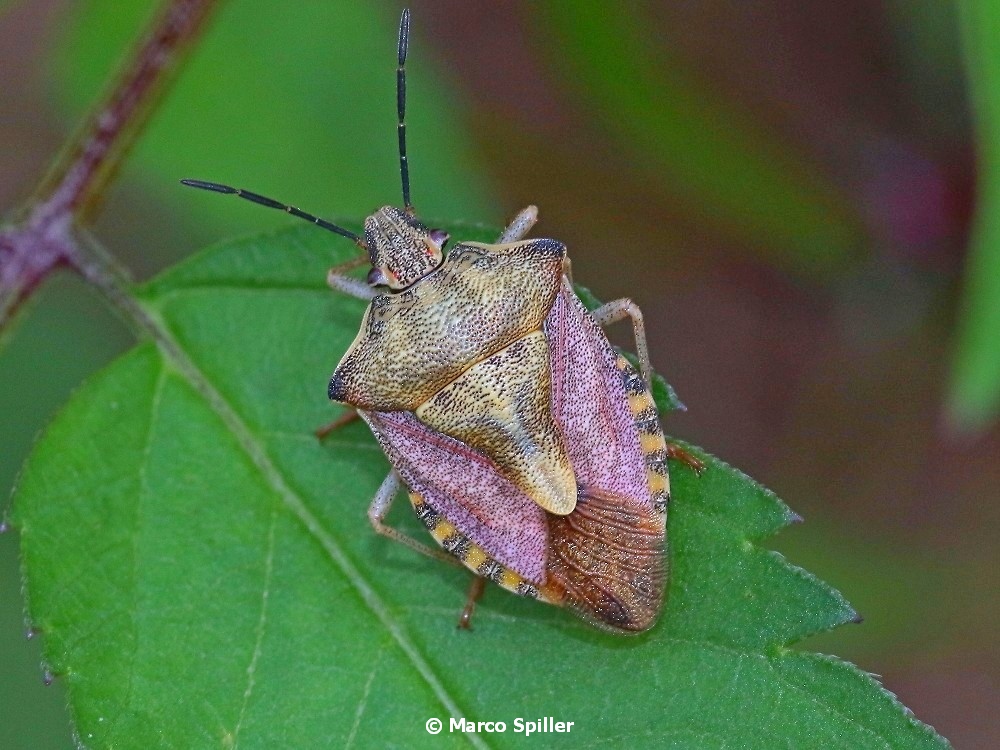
x: 619, y: 309
x: 380, y: 507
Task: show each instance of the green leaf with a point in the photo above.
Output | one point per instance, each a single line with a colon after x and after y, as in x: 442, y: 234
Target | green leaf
x: 203, y: 572
x: 974, y: 400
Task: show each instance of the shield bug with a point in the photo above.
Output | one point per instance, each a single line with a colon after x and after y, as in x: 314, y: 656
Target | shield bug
x: 529, y: 447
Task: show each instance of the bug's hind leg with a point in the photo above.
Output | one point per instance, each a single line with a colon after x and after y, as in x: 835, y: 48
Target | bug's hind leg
x: 677, y: 453
x: 337, y: 278
x: 519, y: 226
x: 476, y: 588
x: 619, y: 309
x: 380, y: 507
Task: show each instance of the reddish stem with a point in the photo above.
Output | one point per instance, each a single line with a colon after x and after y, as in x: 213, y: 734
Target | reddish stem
x: 32, y: 248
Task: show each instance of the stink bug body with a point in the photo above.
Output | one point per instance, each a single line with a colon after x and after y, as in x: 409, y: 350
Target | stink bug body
x: 529, y: 447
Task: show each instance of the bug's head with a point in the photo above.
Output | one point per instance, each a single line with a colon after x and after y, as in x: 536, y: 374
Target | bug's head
x: 401, y: 248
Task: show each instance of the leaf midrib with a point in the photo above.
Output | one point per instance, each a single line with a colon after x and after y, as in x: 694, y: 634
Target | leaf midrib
x: 174, y: 352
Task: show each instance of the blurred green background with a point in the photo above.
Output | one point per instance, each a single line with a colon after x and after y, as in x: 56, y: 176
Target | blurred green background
x: 787, y: 189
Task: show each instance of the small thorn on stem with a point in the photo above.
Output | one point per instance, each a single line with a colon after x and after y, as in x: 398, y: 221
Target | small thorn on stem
x: 4, y: 527
x: 31, y: 632
x: 476, y: 589
x: 47, y: 677
x: 794, y: 517
x: 857, y: 619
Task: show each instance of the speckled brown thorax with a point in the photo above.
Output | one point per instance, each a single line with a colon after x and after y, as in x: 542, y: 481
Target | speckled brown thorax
x: 463, y: 349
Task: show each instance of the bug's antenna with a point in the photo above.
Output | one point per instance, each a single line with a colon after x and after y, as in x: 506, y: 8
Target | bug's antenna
x: 271, y: 203
x: 404, y: 167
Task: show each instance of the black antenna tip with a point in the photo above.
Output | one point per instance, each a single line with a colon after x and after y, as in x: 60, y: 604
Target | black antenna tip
x: 213, y: 186
x: 261, y: 200
x: 404, y: 35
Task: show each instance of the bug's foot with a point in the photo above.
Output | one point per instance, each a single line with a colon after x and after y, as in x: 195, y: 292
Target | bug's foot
x: 475, y: 594
x: 679, y: 454
x: 340, y: 421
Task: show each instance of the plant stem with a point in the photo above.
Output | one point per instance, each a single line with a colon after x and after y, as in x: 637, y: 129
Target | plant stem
x: 44, y: 240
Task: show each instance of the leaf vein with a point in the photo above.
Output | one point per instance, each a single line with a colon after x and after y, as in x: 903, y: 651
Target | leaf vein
x: 769, y: 662
x: 261, y: 624
x: 173, y: 350
x: 147, y: 448
x: 363, y: 703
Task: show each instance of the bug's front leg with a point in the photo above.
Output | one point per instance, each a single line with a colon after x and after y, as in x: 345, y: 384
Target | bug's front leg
x: 519, y: 226
x: 346, y: 418
x: 619, y: 309
x: 380, y: 507
x: 337, y: 278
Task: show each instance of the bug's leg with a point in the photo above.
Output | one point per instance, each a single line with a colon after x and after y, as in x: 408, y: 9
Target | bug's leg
x: 380, y: 506
x: 520, y: 226
x: 346, y: 418
x: 338, y: 279
x: 619, y: 309
x: 347, y: 285
x: 350, y: 265
x: 677, y: 453
x: 476, y: 588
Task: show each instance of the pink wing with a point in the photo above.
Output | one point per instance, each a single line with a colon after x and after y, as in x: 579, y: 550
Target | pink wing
x: 607, y: 555
x: 464, y: 486
x: 590, y: 404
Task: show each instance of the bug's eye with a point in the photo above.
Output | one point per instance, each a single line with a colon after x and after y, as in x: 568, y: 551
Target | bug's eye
x: 439, y: 237
x: 377, y: 278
